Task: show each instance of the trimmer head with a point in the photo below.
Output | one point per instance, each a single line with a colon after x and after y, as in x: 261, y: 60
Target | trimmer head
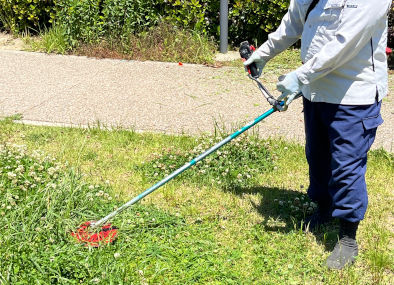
x: 105, y: 235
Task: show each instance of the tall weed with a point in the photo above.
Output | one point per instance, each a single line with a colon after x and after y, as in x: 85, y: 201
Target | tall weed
x: 160, y: 43
x: 42, y: 202
x: 168, y: 43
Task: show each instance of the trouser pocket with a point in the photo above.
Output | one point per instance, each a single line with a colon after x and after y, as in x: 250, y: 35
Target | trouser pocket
x: 370, y: 126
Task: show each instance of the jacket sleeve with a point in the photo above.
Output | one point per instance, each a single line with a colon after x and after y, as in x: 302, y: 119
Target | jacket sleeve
x: 288, y: 32
x: 354, y: 31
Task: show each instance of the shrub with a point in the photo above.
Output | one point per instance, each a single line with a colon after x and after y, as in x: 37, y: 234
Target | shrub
x: 91, y: 19
x: 88, y: 20
x: 248, y: 19
x: 390, y: 36
x: 124, y: 17
x: 21, y: 15
x: 80, y: 20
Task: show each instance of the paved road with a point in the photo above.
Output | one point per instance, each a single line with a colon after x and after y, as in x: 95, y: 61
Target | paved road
x: 146, y: 96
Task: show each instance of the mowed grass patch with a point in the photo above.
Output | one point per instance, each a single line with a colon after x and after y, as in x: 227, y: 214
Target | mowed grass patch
x: 189, y: 230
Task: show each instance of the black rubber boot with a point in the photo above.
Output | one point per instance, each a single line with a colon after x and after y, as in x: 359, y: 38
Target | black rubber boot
x: 320, y: 217
x: 346, y: 249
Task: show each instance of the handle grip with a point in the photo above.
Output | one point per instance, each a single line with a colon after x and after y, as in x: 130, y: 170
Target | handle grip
x: 246, y: 50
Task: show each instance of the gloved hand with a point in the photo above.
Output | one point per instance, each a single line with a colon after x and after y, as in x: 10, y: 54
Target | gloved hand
x: 290, y: 86
x: 258, y: 60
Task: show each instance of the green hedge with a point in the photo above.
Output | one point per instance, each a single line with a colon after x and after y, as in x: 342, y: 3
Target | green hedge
x: 26, y: 15
x: 87, y: 20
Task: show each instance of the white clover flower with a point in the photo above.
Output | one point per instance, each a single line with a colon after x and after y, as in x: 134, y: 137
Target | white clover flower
x: 11, y: 175
x: 116, y: 254
x: 239, y: 175
x: 107, y: 182
x: 91, y: 187
x: 20, y: 169
x: 51, y: 171
x: 281, y: 203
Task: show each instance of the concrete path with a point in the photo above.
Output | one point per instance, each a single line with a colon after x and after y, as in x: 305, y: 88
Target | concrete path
x: 146, y: 96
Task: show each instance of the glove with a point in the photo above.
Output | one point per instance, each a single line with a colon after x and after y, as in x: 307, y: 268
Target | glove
x: 290, y: 87
x: 257, y: 59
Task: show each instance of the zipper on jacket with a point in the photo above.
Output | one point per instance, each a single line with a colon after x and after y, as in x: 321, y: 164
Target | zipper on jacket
x: 373, y: 68
x: 373, y: 61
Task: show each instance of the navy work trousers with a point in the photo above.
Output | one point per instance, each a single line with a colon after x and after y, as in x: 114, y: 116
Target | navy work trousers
x: 338, y: 138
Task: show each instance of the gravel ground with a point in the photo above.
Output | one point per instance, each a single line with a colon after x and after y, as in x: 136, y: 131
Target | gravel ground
x: 147, y: 96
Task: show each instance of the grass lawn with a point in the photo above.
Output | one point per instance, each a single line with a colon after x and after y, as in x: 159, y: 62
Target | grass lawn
x: 233, y: 219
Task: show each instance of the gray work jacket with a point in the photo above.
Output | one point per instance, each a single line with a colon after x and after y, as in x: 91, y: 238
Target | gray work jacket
x: 343, y: 47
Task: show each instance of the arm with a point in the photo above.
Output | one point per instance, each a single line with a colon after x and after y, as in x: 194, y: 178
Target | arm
x: 288, y: 32
x: 355, y: 30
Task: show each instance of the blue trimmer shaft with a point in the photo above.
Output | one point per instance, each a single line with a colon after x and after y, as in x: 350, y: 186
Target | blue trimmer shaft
x: 184, y: 167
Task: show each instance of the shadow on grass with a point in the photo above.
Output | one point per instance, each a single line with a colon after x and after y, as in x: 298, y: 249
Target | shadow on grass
x: 281, y: 218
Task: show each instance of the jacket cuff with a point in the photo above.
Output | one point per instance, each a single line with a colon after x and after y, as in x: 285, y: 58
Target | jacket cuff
x: 302, y: 74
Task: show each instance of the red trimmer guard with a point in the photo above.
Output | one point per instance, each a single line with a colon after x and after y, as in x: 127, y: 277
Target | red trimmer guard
x: 106, y: 235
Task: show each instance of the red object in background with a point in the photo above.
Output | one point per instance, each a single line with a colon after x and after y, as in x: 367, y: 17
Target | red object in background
x: 180, y: 63
x: 388, y: 50
x: 106, y: 235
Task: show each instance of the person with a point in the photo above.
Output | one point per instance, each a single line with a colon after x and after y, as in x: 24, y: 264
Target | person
x: 343, y: 80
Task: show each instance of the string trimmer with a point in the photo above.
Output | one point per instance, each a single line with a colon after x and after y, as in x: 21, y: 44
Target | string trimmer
x: 95, y: 233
